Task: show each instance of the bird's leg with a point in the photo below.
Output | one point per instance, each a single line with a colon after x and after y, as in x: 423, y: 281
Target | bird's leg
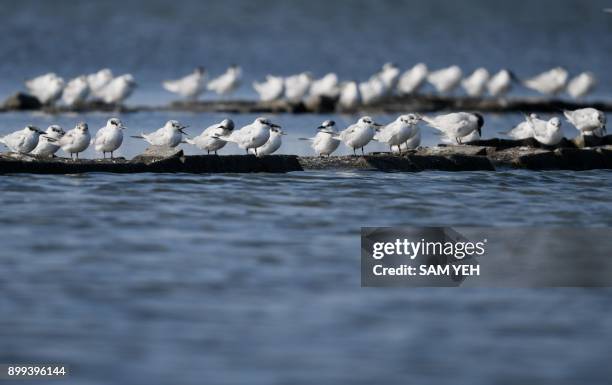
x: 247, y: 151
x: 362, y: 153
x: 215, y: 152
x: 103, y: 155
x: 112, y: 154
x: 355, y: 151
x: 207, y: 152
x: 390, y: 148
x: 255, y: 151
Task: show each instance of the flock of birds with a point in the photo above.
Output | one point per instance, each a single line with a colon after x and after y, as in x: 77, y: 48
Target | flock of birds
x: 104, y: 86
x: 263, y: 137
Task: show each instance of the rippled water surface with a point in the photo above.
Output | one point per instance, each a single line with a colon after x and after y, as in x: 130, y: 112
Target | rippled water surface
x: 154, y: 279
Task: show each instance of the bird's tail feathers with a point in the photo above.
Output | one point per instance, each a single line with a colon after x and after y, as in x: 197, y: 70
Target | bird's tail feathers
x: 141, y: 136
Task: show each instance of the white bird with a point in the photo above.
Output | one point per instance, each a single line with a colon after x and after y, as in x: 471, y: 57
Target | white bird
x: 297, y: 86
x: 273, y: 143
x: 581, y: 85
x: 170, y: 135
x: 110, y: 137
x: 189, y: 86
x: 324, y: 142
x: 523, y: 130
x: 253, y: 135
x: 413, y: 79
x: 358, y: 135
x: 350, y: 97
x: 550, y: 82
x: 22, y: 141
x: 76, y: 140
x: 271, y: 89
x: 500, y: 83
x: 389, y: 74
x: 118, y: 89
x: 76, y: 91
x: 589, y: 121
x: 475, y: 84
x: 97, y: 81
x: 327, y: 86
x: 209, y: 138
x: 399, y: 131
x: 445, y: 80
x: 47, y: 143
x: 456, y: 125
x: 546, y: 132
x: 228, y: 82
x: 415, y: 141
x: 46, y: 88
x: 372, y: 90
x: 466, y: 139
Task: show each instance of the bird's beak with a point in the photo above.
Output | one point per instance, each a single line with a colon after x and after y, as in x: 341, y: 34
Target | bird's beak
x: 320, y: 128
x: 49, y: 138
x: 274, y: 125
x: 377, y: 124
x: 283, y: 133
x: 123, y: 127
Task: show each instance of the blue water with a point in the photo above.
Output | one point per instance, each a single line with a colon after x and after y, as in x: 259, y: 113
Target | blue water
x: 156, y: 279
x: 231, y: 279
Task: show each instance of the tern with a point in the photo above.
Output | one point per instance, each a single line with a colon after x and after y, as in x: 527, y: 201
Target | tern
x: 399, y: 131
x: 189, y: 86
x: 581, y: 85
x: 76, y: 91
x: 414, y: 141
x: 327, y: 86
x: 500, y: 83
x: 549, y: 83
x: 297, y: 86
x: 97, y: 81
x: 170, y: 135
x: 226, y: 83
x: 252, y: 136
x: 118, y: 89
x: 413, y: 79
x: 445, y: 80
x: 270, y: 89
x: 324, y: 142
x: 46, y: 88
x: 523, y: 130
x: 389, y: 74
x: 76, y: 140
x: 358, y: 135
x: 22, y: 141
x: 47, y: 143
x: 456, y: 125
x: 589, y: 121
x: 350, y: 97
x: 273, y: 143
x: 209, y: 138
x: 109, y: 138
x: 372, y: 90
x: 475, y: 84
x: 546, y: 132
